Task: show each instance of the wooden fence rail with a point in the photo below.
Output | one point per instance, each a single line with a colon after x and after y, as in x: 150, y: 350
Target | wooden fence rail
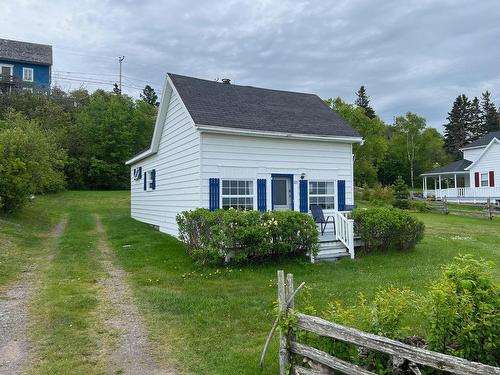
x: 289, y: 346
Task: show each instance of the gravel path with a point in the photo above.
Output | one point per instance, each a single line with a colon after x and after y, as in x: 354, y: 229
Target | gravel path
x: 14, y: 345
x: 132, y: 354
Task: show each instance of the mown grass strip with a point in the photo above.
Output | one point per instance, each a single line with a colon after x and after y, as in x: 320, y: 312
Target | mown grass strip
x: 22, y: 237
x: 65, y: 321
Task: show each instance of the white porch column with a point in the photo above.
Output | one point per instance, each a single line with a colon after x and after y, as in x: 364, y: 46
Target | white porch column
x: 456, y: 181
x: 440, y: 192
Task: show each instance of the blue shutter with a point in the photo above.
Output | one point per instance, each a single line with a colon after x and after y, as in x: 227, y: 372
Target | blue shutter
x: 213, y: 192
x: 153, y: 179
x: 304, y: 206
x: 341, y: 194
x: 145, y: 182
x: 261, y: 195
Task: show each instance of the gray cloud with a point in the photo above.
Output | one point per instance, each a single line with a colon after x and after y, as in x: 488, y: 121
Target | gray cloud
x: 412, y: 56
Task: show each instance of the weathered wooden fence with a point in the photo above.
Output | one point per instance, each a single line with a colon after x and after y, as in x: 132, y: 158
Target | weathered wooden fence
x: 486, y: 210
x: 290, y: 347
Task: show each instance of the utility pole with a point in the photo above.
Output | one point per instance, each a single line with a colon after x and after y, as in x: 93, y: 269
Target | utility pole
x: 120, y: 59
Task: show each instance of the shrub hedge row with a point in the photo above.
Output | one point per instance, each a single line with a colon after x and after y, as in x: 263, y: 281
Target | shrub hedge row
x: 213, y: 236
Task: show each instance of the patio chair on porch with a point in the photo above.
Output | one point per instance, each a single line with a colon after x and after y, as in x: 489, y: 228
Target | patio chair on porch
x: 319, y: 218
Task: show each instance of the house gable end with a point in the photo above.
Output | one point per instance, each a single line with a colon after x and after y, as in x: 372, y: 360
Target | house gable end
x: 485, y: 152
x: 168, y: 90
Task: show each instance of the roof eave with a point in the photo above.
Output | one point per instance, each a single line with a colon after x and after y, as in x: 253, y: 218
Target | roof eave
x: 441, y: 173
x: 270, y: 134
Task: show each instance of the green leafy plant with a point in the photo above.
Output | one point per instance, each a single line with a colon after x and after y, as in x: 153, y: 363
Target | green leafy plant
x: 381, y: 196
x: 464, y: 311
x: 213, y: 236
x: 30, y: 162
x: 388, y: 228
x: 420, y: 206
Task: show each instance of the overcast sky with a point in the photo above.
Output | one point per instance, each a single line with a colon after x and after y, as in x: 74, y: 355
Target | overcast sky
x: 411, y: 55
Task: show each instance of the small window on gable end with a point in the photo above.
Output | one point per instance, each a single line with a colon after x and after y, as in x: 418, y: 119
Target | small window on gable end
x: 138, y: 173
x: 151, y: 179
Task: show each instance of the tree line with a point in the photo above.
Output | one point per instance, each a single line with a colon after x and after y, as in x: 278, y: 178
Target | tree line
x: 70, y: 140
x: 469, y: 120
x: 406, y: 148
x: 81, y: 140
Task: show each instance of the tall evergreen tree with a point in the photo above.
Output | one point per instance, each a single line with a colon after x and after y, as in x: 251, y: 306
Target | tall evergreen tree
x: 363, y: 101
x: 149, y: 96
x: 456, y: 132
x: 490, y: 122
x: 475, y: 126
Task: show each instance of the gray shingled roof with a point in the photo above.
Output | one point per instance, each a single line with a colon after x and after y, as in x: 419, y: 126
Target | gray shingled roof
x: 25, y: 52
x: 457, y: 166
x: 483, y: 141
x: 251, y: 108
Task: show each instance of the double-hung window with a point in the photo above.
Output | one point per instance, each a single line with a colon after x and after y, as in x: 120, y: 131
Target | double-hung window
x: 485, y: 181
x: 28, y: 74
x: 237, y: 194
x: 322, y: 193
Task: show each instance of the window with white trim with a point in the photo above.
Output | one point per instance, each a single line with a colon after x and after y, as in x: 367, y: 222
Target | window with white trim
x: 485, y: 180
x: 28, y: 74
x: 322, y: 193
x: 237, y: 194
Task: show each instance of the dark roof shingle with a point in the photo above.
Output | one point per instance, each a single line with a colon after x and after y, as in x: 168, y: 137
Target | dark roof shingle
x: 245, y: 107
x: 483, y: 141
x: 25, y: 52
x: 457, y: 166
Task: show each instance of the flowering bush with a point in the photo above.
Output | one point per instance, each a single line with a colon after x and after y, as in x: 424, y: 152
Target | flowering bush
x: 215, y: 236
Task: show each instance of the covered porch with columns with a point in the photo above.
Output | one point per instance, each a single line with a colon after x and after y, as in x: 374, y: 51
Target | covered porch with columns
x: 447, y: 184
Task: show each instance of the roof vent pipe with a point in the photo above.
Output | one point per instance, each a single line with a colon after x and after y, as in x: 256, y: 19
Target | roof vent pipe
x: 227, y: 81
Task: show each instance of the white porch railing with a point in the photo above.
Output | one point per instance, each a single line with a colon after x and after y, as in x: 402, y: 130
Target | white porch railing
x: 465, y: 192
x: 344, y: 229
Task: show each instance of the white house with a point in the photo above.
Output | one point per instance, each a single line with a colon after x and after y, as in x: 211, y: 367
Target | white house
x: 475, y: 178
x: 219, y: 145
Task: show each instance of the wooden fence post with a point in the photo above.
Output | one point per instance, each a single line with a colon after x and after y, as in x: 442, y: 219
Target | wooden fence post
x: 445, y: 206
x: 283, y: 351
x: 490, y: 209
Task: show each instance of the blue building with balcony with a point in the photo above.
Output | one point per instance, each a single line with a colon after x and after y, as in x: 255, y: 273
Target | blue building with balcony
x: 24, y: 66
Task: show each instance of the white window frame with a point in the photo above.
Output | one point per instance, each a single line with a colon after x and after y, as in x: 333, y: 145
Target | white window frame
x: 8, y: 66
x: 334, y: 195
x: 487, y: 179
x: 251, y: 195
x: 25, y: 70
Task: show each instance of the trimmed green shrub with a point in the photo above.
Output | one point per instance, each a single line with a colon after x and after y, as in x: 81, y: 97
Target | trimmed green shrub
x: 464, y: 311
x: 213, y: 236
x: 420, y: 206
x: 387, y: 228
x: 401, y: 194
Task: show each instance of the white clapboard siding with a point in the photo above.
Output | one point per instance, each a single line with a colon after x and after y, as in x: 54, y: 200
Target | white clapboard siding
x: 177, y: 165
x: 241, y: 157
x: 473, y: 154
x: 490, y: 161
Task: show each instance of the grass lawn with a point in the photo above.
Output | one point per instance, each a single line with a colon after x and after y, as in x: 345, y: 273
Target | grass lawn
x: 214, y: 321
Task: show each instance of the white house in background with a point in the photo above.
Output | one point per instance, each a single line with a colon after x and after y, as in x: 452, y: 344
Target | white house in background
x: 219, y: 145
x: 474, y: 179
